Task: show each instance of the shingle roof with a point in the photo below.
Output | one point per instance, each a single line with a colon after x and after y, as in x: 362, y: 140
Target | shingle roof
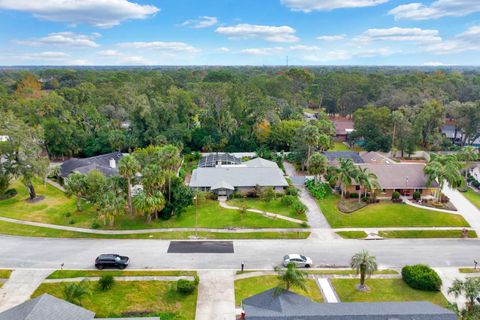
x: 343, y: 126
x: 291, y: 306
x: 47, y: 307
x: 399, y: 175
x: 333, y: 156
x: 260, y: 163
x: 375, y: 157
x: 238, y: 177
x: 85, y: 165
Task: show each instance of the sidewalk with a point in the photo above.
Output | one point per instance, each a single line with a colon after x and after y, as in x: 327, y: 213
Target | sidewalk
x: 216, y: 295
x: 20, y: 286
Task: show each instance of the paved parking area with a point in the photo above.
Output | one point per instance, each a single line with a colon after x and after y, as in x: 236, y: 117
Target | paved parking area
x: 200, y: 247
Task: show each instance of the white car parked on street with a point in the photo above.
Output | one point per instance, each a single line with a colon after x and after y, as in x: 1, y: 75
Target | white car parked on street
x: 298, y: 259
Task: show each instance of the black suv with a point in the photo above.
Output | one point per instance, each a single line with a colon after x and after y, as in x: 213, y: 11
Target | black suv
x: 111, y: 261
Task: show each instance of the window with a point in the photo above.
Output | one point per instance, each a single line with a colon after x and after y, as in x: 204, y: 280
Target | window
x: 357, y: 188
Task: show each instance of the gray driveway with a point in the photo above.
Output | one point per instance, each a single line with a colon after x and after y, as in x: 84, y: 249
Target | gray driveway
x: 464, y: 207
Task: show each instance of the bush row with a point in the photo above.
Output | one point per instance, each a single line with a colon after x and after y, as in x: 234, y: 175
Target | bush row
x: 421, y: 277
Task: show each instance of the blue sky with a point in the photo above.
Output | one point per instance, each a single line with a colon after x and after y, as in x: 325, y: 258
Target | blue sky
x: 239, y: 32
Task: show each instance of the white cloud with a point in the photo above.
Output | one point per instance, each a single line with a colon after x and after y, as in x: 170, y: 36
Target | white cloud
x: 326, y: 5
x: 318, y: 54
x: 108, y: 53
x: 262, y: 51
x: 200, y: 22
x: 400, y: 34
x: 437, y: 9
x: 224, y: 49
x: 435, y: 64
x: 466, y: 41
x: 268, y: 33
x: 100, y: 13
x: 336, y: 37
x: 52, y: 55
x: 63, y: 39
x: 160, y: 46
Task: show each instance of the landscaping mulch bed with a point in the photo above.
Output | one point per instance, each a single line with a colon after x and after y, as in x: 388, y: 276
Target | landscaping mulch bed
x: 431, y: 204
x: 36, y: 199
x: 349, y: 206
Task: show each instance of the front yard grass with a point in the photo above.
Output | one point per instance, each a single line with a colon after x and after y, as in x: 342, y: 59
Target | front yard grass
x: 58, y: 209
x: 153, y: 298
x: 248, y: 287
x: 469, y: 270
x: 349, y: 272
x: 426, y: 234
x: 384, y: 290
x: 387, y: 214
x: 64, y: 274
x: 273, y: 206
x: 473, y: 197
x: 5, y: 273
x: 339, y: 146
x: 15, y: 229
x: 352, y: 234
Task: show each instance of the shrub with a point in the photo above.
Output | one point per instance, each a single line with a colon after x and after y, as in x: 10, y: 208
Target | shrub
x: 185, y: 286
x: 288, y: 200
x: 395, y: 195
x: 95, y: 225
x: 268, y: 194
x: 106, y: 282
x: 299, y: 207
x: 421, y: 277
x: 292, y: 191
x: 416, y: 195
x: 10, y: 193
x: 68, y: 214
x: 318, y: 190
x: 71, y: 221
x: 353, y: 195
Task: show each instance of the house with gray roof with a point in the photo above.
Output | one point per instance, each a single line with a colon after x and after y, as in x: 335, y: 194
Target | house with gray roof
x: 47, y: 307
x: 105, y: 163
x: 333, y: 157
x: 223, y: 180
x: 286, y: 305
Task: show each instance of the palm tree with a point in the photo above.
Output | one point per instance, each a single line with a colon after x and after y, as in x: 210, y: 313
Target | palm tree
x: 344, y: 174
x: 291, y: 277
x: 468, y: 155
x: 76, y: 184
x: 169, y: 158
x: 110, y: 206
x: 149, y: 204
x: 365, y: 265
x: 470, y: 288
x: 444, y: 169
x: 311, y: 135
x: 74, y: 292
x: 317, y: 165
x: 128, y: 167
x: 367, y: 180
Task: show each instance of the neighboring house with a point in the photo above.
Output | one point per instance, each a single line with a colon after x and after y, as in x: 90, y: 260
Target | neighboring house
x: 333, y: 157
x: 49, y: 307
x: 271, y: 305
x: 405, y: 178
x: 223, y: 180
x: 105, y: 163
x: 211, y: 160
x: 450, y: 131
x: 343, y: 127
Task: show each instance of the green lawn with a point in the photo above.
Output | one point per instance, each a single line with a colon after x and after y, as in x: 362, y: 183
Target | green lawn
x: 384, y: 290
x: 274, y: 206
x: 248, y: 287
x: 31, y: 231
x: 425, y: 234
x: 63, y: 274
x: 339, y: 146
x: 155, y: 298
x: 352, y: 234
x: 347, y: 272
x: 5, y: 273
x: 56, y: 208
x: 469, y: 270
x: 387, y: 214
x: 473, y: 197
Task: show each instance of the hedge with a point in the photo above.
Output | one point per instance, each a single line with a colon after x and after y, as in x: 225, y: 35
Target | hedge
x: 421, y: 277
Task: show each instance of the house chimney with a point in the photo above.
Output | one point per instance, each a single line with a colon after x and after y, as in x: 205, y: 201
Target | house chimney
x: 113, y: 164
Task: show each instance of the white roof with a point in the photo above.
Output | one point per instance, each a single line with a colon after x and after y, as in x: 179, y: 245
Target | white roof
x: 238, y: 177
x: 260, y: 163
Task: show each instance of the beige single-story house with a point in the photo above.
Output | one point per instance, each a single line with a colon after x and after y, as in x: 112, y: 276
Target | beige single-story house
x: 243, y: 178
x: 405, y: 178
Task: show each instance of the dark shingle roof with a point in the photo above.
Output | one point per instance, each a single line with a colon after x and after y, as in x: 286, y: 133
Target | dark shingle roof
x: 100, y: 163
x: 291, y: 306
x: 47, y: 307
x: 333, y: 156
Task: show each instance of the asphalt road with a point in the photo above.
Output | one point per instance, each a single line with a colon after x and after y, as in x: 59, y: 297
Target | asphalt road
x: 20, y: 252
